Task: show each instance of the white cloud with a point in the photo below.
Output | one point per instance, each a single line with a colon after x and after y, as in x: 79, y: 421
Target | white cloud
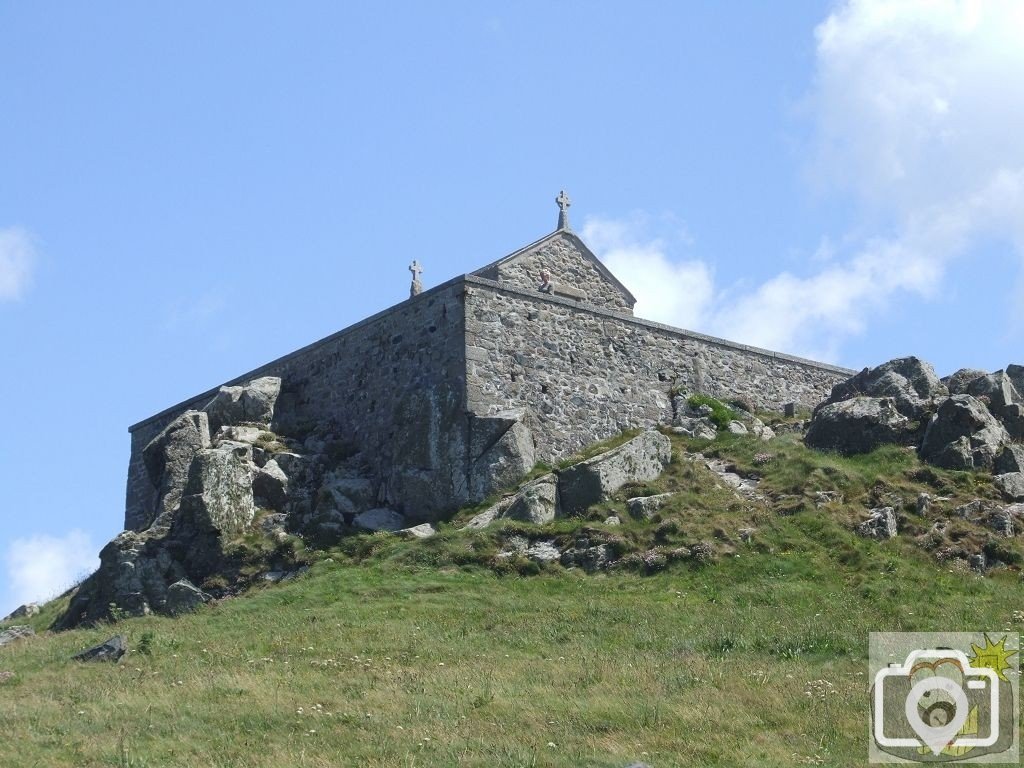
x: 675, y: 293
x: 40, y: 567
x: 17, y: 257
x: 918, y: 112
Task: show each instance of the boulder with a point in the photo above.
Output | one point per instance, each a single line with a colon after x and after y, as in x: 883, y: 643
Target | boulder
x: 251, y: 403
x: 1016, y: 375
x: 502, y: 451
x: 168, y: 457
x: 641, y: 459
x: 238, y: 434
x: 761, y: 430
x: 23, y: 612
x: 1010, y: 460
x: 958, y: 382
x: 543, y: 552
x: 997, y: 388
x: 738, y: 428
x: 909, y: 381
x: 133, y: 576
x: 218, y: 495
x: 858, y: 425
x: 1011, y: 485
x: 421, y: 531
x: 11, y: 634
x: 184, y: 597
x: 700, y: 427
x: 380, y: 519
x: 644, y: 507
x: 963, y: 435
x: 536, y: 502
x: 881, y: 524
x: 270, y: 486
x: 111, y: 650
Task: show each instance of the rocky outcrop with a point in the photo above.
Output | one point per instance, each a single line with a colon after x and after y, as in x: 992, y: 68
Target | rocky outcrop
x: 22, y: 612
x: 859, y: 425
x: 380, y: 519
x: 169, y: 455
x: 1010, y: 460
x: 109, y: 650
x: 184, y: 597
x: 644, y: 507
x: 252, y: 403
x: 957, y: 383
x: 881, y: 524
x: 589, y: 482
x: 1011, y: 485
x: 535, y: 502
x: 963, y: 435
x: 909, y: 381
x: 502, y: 452
x: 11, y: 634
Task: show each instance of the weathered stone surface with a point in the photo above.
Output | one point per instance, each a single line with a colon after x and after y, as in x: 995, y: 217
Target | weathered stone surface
x: 11, y: 634
x: 1016, y: 375
x: 218, y: 495
x: 612, y: 520
x: 543, y: 552
x: 421, y: 531
x: 110, y: 650
x: 997, y: 388
x: 957, y: 383
x: 536, y: 502
x: 700, y: 427
x: 644, y: 507
x: 23, y: 611
x: 1010, y: 460
x: 880, y: 525
x: 589, y: 558
x: 858, y: 425
x: 238, y: 434
x: 909, y: 381
x: 963, y: 435
x: 1011, y: 485
x: 251, y: 403
x: 738, y: 428
x: 184, y: 597
x: 270, y: 486
x: 589, y: 482
x: 380, y: 519
x: 503, y: 452
x: 761, y: 430
x: 168, y: 458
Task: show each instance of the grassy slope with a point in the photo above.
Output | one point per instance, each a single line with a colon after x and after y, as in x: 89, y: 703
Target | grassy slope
x: 397, y: 664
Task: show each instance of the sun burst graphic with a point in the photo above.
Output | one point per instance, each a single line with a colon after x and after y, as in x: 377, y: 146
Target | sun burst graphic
x: 994, y: 656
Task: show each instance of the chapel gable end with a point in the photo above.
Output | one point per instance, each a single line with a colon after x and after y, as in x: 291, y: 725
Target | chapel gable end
x: 561, y: 265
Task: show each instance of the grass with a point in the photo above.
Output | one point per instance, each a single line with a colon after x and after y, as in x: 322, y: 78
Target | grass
x: 403, y: 653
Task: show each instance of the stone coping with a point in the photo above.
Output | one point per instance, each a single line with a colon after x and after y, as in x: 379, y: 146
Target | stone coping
x: 633, y: 320
x: 267, y: 368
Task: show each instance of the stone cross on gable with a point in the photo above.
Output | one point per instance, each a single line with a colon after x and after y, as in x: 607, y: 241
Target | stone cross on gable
x: 563, y: 209
x: 416, y: 286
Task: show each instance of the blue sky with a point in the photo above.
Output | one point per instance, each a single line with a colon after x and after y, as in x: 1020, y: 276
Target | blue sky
x: 189, y: 190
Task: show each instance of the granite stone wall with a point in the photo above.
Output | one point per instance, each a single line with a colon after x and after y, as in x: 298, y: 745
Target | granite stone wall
x: 572, y: 275
x: 374, y: 384
x: 584, y: 374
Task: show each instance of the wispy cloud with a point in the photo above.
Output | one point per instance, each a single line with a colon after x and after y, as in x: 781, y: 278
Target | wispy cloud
x: 918, y: 114
x: 40, y: 567
x: 194, y: 311
x: 17, y: 258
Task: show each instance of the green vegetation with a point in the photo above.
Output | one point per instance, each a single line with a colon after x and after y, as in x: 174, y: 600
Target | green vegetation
x: 721, y: 414
x: 391, y: 652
